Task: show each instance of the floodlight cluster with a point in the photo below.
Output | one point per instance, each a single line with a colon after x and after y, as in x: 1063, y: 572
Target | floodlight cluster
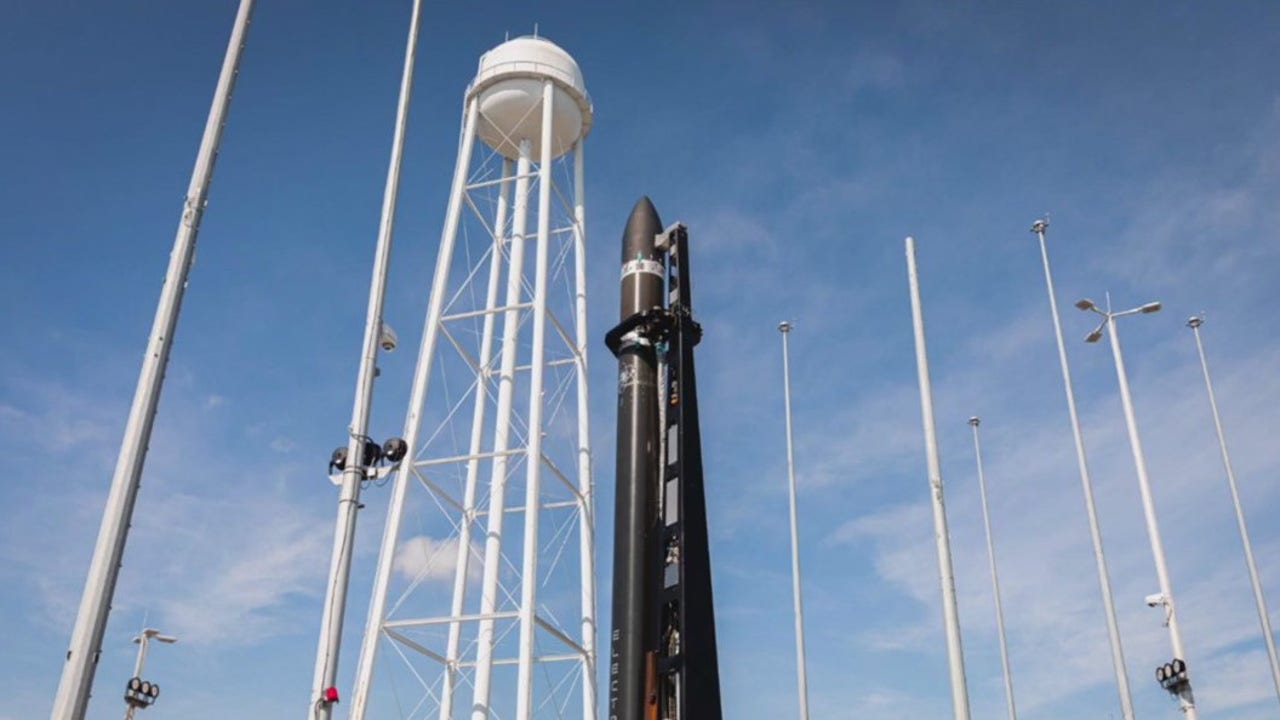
x: 1172, y: 676
x: 141, y: 693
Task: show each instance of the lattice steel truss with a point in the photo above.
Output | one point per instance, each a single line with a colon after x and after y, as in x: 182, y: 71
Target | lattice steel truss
x: 484, y: 596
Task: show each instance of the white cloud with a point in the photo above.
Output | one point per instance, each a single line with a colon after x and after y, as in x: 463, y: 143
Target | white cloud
x: 221, y: 587
x: 426, y: 558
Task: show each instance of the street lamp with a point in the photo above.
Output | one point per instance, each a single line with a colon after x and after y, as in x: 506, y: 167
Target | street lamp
x: 784, y: 327
x: 1039, y: 227
x: 1180, y: 685
x: 1264, y: 617
x: 995, y: 578
x: 139, y: 693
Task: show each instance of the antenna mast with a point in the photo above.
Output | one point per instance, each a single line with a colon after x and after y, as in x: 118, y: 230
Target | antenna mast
x: 76, y: 684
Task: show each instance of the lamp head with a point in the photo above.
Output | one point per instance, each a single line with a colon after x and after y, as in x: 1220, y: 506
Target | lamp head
x: 1195, y: 321
x: 1086, y: 304
x: 1039, y: 226
x: 784, y: 326
x: 1094, y: 336
x: 1150, y: 308
x: 975, y: 421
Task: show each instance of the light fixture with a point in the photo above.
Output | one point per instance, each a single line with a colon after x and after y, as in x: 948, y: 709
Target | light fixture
x: 1085, y: 304
x: 395, y: 449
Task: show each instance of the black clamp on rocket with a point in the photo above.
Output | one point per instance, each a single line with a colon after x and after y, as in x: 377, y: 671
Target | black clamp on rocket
x: 663, y: 663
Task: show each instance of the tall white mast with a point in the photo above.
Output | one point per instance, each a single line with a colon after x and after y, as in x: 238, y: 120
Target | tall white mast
x: 974, y: 422
x: 1040, y: 227
x: 802, y: 675
x: 76, y: 684
x: 950, y: 610
x: 323, y: 690
x: 1260, y: 600
x: 1181, y: 687
x: 486, y: 606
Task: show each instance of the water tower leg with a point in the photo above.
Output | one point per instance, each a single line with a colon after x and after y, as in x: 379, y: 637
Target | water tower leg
x: 533, y: 462
x: 462, y: 567
x: 586, y: 511
x: 501, y: 443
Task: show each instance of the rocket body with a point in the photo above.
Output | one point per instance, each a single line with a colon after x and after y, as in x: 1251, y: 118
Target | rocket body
x: 636, y: 505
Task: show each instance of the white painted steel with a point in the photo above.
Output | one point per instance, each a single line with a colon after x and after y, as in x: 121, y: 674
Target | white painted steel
x: 510, y: 86
x: 995, y: 577
x: 1260, y: 600
x: 480, y: 708
x: 355, y: 474
x: 802, y: 676
x: 586, y: 488
x: 1086, y: 484
x: 1186, y: 700
x: 534, y: 460
x: 530, y: 644
x: 463, y: 562
x: 76, y: 683
x: 143, y: 640
x: 421, y: 381
x: 950, y: 610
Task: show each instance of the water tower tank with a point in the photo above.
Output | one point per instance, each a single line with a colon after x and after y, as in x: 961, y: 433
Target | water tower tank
x: 508, y: 86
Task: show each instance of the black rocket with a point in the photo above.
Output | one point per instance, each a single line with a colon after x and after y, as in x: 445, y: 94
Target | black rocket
x: 662, y: 648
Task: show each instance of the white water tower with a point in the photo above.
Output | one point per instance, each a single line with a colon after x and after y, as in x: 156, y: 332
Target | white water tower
x: 484, y: 597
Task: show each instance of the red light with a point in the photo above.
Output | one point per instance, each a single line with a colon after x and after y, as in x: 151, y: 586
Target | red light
x: 331, y: 695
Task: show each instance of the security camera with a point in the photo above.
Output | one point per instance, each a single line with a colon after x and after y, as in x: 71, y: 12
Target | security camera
x: 388, y: 339
x: 1155, y: 600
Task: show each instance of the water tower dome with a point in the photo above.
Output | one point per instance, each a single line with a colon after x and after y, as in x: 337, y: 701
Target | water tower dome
x: 508, y: 86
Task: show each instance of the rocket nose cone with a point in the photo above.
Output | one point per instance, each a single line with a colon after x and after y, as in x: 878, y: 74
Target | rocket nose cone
x: 642, y: 226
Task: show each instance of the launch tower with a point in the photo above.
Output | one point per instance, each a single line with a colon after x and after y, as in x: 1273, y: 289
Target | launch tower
x: 663, y: 663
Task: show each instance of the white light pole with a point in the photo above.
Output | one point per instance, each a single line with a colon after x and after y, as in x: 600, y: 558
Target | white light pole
x: 1264, y: 617
x: 946, y: 574
x: 1095, y: 531
x: 1183, y: 690
x: 324, y: 693
x: 76, y: 684
x: 142, y: 640
x: 802, y: 677
x: 995, y: 578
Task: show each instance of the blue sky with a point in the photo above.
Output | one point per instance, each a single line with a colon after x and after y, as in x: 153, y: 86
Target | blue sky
x: 801, y: 143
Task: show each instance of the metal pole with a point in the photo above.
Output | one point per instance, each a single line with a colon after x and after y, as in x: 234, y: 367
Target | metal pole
x: 355, y: 474
x: 950, y: 611
x: 1185, y: 698
x: 492, y: 567
x: 1264, y: 616
x: 143, y: 640
x: 533, y: 459
x: 586, y: 487
x: 462, y: 570
x: 76, y: 684
x: 802, y: 677
x: 995, y: 578
x: 1095, y: 531
x: 137, y: 670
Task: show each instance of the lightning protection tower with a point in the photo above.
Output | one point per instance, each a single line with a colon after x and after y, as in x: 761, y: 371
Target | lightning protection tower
x: 483, y: 603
